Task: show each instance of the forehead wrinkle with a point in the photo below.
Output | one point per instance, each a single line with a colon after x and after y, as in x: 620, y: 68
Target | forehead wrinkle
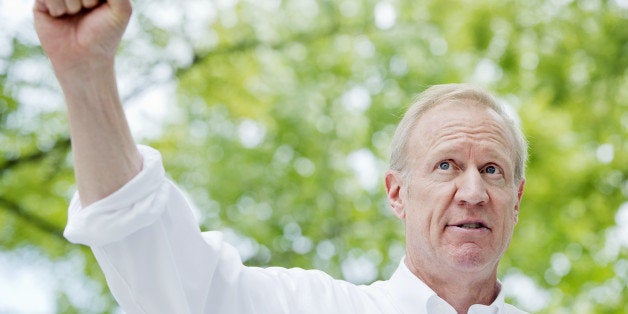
x: 478, y: 133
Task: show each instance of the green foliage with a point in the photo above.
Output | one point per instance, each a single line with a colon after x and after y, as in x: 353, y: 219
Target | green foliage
x: 282, y: 121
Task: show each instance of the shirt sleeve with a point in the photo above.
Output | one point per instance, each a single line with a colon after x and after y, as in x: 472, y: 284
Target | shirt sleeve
x: 155, y: 259
x: 148, y: 243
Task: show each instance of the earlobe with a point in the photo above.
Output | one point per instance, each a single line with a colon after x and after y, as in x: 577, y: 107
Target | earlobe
x: 394, y: 183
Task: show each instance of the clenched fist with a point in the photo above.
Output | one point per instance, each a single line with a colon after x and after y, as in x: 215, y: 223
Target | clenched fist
x: 80, y: 34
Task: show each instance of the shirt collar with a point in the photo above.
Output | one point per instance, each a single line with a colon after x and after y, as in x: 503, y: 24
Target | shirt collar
x: 412, y: 295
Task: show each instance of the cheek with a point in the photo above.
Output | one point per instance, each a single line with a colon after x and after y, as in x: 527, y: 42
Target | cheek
x: 431, y: 189
x: 417, y: 230
x: 427, y: 203
x: 505, y: 205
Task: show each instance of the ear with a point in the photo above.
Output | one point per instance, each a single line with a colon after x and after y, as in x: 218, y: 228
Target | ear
x: 394, y: 184
x: 519, y: 195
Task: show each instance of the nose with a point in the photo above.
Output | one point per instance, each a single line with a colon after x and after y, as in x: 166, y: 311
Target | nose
x: 471, y: 188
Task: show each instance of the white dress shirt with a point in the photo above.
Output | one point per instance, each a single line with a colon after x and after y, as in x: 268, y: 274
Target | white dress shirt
x: 156, y: 260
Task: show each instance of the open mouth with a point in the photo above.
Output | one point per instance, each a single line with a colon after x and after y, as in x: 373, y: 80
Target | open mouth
x: 476, y: 225
x: 470, y: 226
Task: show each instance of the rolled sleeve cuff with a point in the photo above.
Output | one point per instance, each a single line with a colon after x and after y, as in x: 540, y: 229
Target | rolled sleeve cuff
x: 139, y: 203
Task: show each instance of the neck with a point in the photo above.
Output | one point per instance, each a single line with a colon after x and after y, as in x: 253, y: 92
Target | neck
x: 460, y: 289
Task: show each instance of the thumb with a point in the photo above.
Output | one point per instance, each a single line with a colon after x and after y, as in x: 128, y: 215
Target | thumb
x: 120, y: 8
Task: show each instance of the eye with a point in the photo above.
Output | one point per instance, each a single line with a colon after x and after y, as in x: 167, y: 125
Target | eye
x: 444, y: 165
x: 491, y: 169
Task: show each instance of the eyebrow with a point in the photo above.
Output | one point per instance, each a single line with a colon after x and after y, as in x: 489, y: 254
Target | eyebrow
x: 497, y: 156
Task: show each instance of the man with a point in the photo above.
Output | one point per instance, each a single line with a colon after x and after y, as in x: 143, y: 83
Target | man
x: 456, y: 181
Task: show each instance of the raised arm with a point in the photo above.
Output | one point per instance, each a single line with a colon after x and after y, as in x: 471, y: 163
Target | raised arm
x: 81, y: 39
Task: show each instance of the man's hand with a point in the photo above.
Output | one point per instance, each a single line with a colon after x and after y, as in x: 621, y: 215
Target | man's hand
x: 80, y: 33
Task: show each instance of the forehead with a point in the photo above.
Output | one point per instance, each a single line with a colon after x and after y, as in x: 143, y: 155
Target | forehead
x: 462, y: 121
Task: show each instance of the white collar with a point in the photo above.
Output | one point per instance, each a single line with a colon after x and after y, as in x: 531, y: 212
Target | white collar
x: 412, y: 295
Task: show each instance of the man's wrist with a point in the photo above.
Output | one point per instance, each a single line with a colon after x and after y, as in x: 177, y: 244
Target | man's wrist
x: 80, y: 70
x: 85, y: 76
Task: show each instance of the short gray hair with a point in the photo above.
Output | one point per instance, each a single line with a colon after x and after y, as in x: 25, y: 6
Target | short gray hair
x: 439, y: 94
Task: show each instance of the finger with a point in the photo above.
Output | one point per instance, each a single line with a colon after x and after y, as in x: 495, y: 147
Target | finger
x: 73, y: 6
x: 40, y: 6
x: 55, y: 8
x: 89, y: 3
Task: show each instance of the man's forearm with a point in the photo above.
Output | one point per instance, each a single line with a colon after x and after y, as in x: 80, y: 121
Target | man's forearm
x: 105, y: 155
x: 81, y: 39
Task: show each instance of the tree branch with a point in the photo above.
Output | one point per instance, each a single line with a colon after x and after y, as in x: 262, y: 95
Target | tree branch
x: 250, y: 44
x: 61, y: 144
x: 32, y: 219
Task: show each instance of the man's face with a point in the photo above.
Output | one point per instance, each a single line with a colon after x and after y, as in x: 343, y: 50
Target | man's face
x: 459, y: 199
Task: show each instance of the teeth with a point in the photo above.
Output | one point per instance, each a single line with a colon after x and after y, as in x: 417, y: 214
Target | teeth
x: 471, y: 226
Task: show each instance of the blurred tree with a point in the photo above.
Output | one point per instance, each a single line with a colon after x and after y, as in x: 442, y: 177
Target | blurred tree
x: 282, y: 116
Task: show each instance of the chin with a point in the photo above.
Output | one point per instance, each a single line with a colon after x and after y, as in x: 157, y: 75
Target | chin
x: 472, y: 260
